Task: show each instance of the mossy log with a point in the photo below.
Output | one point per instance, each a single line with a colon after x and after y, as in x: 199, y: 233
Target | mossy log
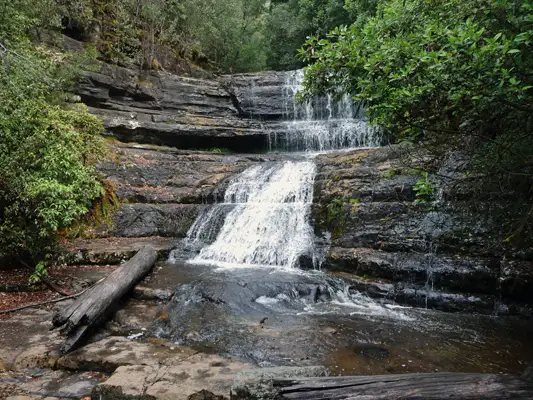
x: 92, y: 307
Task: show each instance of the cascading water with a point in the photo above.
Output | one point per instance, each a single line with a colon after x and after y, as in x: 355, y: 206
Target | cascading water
x: 281, y: 315
x: 269, y: 223
x: 323, y: 123
x: 264, y: 219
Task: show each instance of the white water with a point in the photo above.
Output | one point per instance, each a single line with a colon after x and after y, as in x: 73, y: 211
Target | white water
x: 323, y: 123
x: 269, y: 225
x: 264, y: 219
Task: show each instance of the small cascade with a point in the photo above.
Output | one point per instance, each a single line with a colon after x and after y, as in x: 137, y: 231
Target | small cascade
x: 206, y: 227
x: 264, y: 219
x: 269, y: 222
x: 323, y: 123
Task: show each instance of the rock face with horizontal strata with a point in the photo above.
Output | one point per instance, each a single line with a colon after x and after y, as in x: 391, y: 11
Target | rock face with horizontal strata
x: 383, y: 235
x: 422, y: 254
x: 187, y: 113
x: 162, y: 190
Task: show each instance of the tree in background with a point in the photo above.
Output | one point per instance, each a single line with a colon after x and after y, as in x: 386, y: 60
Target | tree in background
x: 229, y: 33
x: 449, y: 74
x: 289, y: 22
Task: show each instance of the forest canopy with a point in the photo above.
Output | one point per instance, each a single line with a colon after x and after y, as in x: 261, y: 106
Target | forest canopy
x: 226, y: 36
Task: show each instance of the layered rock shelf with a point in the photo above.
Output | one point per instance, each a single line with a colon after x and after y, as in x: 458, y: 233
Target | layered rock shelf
x: 442, y: 254
x: 236, y: 112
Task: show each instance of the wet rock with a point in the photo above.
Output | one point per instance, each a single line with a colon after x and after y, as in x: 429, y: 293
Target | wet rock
x: 154, y: 174
x: 257, y: 384
x: 113, y: 250
x: 161, y: 190
x: 145, y: 293
x: 258, y: 95
x: 141, y: 220
x: 528, y: 373
x: 372, y: 352
x: 137, y: 315
x: 378, y: 232
x: 305, y: 261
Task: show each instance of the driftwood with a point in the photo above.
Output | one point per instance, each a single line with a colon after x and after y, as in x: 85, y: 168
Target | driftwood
x: 90, y: 308
x: 450, y: 386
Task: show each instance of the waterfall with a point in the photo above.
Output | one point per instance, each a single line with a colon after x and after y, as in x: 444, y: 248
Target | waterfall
x: 322, y: 123
x: 269, y: 224
x: 264, y: 219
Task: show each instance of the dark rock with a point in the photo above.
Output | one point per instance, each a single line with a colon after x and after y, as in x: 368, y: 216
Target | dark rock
x: 152, y: 174
x: 105, y: 392
x: 445, y: 253
x: 305, y: 261
x: 188, y: 113
x: 205, y: 395
x: 259, y: 96
x: 373, y: 352
x: 528, y: 373
x: 141, y: 220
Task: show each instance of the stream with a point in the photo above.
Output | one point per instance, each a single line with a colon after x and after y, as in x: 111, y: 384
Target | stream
x: 251, y: 284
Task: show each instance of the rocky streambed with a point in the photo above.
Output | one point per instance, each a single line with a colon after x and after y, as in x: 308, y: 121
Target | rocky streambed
x: 402, y: 287
x: 187, y: 328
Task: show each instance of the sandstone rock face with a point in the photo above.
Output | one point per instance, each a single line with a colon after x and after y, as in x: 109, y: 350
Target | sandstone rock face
x: 259, y: 96
x: 188, y: 113
x: 161, y: 191
x: 365, y: 199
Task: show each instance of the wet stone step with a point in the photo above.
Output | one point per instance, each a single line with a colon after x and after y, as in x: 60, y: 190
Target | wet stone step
x: 114, y: 250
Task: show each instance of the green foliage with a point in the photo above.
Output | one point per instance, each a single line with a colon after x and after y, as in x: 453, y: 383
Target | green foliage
x: 390, y: 173
x: 101, y: 212
x: 361, y: 10
x: 219, y: 150
x: 229, y: 33
x: 39, y: 273
x: 232, y: 35
x: 47, y: 149
x: 424, y: 189
x: 454, y: 75
x: 288, y: 23
x: 337, y: 210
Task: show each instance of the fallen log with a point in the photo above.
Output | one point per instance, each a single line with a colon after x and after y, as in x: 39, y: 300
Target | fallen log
x: 450, y: 386
x: 91, y: 307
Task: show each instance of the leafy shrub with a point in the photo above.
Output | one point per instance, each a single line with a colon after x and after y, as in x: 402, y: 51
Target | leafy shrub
x: 47, y: 148
x: 424, y: 190
x: 454, y: 75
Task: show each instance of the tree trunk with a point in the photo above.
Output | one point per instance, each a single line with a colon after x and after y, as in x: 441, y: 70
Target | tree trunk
x: 451, y: 386
x: 90, y: 308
